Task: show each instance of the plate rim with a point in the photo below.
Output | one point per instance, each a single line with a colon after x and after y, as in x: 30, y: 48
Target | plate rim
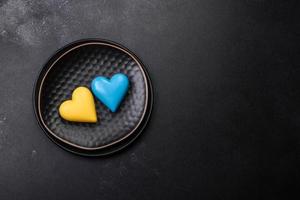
x: 57, y: 55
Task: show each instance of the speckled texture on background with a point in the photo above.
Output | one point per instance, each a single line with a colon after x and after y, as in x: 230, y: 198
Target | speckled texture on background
x: 226, y: 115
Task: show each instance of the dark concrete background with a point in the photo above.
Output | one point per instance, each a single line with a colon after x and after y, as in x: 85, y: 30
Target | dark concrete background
x: 226, y: 119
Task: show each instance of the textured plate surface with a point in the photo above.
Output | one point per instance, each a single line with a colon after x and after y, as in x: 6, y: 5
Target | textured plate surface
x: 77, y: 65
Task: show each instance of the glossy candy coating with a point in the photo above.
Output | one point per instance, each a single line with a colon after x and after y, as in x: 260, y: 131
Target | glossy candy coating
x: 110, y: 91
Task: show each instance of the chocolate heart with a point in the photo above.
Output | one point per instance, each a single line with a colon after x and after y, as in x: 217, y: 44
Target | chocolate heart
x: 110, y: 92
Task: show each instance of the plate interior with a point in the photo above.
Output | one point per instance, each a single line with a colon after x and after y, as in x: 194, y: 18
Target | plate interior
x: 78, y: 67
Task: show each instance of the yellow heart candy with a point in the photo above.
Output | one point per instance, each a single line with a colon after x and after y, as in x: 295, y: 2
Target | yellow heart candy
x: 81, y: 108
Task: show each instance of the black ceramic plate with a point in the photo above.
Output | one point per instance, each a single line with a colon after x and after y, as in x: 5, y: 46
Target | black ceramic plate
x: 77, y: 65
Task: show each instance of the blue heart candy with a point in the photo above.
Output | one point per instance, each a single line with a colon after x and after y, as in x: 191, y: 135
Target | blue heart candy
x: 110, y: 92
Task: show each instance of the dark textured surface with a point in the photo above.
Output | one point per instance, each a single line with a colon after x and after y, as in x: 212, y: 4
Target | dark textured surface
x: 78, y: 68
x: 226, y: 116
